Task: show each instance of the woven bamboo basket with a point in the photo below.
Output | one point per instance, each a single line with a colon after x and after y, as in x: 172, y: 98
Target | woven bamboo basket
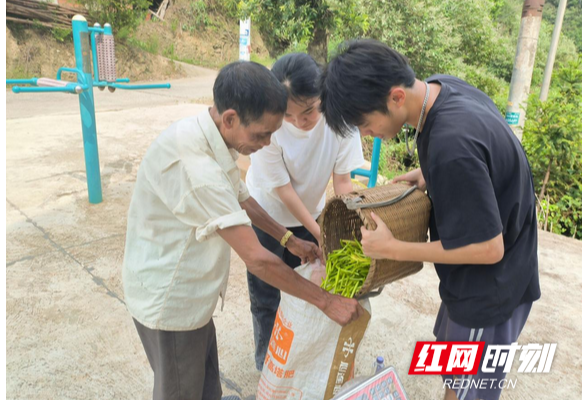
x: 407, y: 219
x: 357, y: 185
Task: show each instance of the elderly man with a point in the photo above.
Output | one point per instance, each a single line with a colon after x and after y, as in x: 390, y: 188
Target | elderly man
x: 188, y: 209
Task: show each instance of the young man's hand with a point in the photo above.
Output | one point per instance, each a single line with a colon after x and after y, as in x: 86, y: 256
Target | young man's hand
x: 305, y: 250
x: 379, y: 243
x: 342, y: 310
x: 414, y: 177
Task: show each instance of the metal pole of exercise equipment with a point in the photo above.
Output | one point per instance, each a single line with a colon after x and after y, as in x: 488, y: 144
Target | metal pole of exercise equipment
x: 375, y: 163
x: 81, y: 39
x: 372, y: 173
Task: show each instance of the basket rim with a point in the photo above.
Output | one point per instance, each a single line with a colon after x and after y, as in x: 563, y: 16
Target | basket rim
x: 367, y: 221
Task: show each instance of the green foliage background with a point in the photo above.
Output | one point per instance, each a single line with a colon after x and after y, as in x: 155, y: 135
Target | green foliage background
x: 471, y: 39
x: 476, y: 41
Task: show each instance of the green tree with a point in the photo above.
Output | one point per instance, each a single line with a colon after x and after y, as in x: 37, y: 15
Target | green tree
x: 572, y: 23
x: 553, y: 141
x: 123, y: 15
x: 286, y: 24
x: 480, y: 42
x: 419, y: 30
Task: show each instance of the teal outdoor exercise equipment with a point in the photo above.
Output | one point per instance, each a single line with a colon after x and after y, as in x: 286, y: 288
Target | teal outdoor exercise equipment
x: 372, y: 173
x: 95, y: 67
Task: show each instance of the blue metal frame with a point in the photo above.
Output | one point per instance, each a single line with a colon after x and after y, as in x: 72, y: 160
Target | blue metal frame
x: 32, y: 81
x: 84, y: 88
x: 372, y: 173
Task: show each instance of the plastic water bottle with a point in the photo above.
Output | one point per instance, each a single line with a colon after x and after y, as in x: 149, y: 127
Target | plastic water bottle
x: 379, y: 364
x: 358, y: 380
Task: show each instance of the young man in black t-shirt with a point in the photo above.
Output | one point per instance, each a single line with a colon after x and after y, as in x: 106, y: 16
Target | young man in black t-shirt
x: 483, y: 223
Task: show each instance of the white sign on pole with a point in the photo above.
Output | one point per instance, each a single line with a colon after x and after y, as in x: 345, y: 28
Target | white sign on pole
x: 245, y: 40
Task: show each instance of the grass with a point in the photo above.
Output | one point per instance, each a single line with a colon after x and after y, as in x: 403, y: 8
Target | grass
x: 150, y: 46
x: 265, y: 61
x: 394, y: 158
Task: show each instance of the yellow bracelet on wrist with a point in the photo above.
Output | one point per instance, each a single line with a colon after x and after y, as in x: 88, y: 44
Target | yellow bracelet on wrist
x: 285, y: 238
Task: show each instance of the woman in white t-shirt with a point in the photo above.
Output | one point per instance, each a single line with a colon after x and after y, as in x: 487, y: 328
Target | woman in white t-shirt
x: 289, y: 177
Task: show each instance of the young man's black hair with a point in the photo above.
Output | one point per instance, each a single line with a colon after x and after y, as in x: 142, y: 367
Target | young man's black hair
x: 250, y: 89
x: 352, y: 88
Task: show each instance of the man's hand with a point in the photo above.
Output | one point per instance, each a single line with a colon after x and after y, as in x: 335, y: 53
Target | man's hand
x: 272, y: 270
x: 414, y: 177
x: 341, y: 309
x: 379, y: 243
x: 305, y: 250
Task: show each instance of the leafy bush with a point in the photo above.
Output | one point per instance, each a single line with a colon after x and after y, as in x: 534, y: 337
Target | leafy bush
x: 118, y: 13
x: 419, y: 30
x: 284, y: 24
x: 553, y: 141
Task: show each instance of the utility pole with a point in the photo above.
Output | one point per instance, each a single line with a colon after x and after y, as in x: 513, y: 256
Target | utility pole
x: 522, y: 73
x: 561, y: 9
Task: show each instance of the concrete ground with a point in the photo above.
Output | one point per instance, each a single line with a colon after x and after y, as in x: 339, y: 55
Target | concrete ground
x: 68, y: 334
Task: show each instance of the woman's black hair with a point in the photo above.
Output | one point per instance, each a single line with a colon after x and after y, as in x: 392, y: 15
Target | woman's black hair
x: 300, y: 74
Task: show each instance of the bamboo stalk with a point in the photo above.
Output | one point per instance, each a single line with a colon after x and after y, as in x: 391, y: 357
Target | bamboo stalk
x: 30, y: 22
x: 33, y: 12
x: 163, y: 8
x: 546, y: 215
x: 38, y: 16
x: 25, y: 11
x: 44, y: 5
x: 45, y: 14
x: 155, y: 15
x: 545, y: 180
x: 53, y: 10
